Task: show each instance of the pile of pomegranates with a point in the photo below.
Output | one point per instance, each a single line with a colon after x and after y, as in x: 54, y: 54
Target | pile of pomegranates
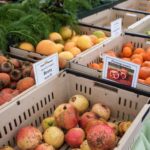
x: 15, y: 77
x: 75, y: 124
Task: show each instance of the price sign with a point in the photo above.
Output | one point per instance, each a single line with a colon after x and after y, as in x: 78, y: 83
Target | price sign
x: 120, y: 71
x: 46, y: 68
x: 116, y: 27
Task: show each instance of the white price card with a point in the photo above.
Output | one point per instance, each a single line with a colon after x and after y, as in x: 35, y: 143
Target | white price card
x: 46, y: 68
x: 120, y: 71
x: 116, y: 27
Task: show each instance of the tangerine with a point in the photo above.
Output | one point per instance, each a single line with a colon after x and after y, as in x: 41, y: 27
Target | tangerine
x: 111, y: 53
x: 137, y: 61
x: 101, y: 65
x: 139, y: 51
x: 147, y: 55
x: 141, y: 81
x: 146, y: 64
x: 94, y: 66
x: 139, y: 56
x: 127, y: 52
x: 129, y: 44
x: 147, y: 81
x: 144, y: 72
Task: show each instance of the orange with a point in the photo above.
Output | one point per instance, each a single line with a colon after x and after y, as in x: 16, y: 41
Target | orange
x: 127, y: 59
x: 137, y: 61
x: 139, y: 51
x: 94, y: 66
x: 111, y: 53
x: 146, y: 64
x: 147, y: 81
x: 141, y: 81
x: 144, y: 72
x: 129, y: 44
x: 139, y: 56
x: 127, y: 52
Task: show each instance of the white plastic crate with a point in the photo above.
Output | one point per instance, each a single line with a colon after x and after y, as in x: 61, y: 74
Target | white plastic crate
x: 41, y: 101
x: 104, y: 18
x: 139, y: 6
x: 135, y: 129
x: 32, y: 56
x: 114, y: 44
x: 141, y: 27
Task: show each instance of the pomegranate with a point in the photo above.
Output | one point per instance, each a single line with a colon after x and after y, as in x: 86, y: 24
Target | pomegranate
x: 28, y: 138
x: 93, y: 123
x: 48, y: 122
x: 54, y: 136
x: 114, y: 74
x: 44, y: 146
x: 101, y: 110
x: 66, y: 116
x: 74, y: 137
x: 26, y: 72
x: 6, y: 67
x: 15, y: 75
x: 15, y: 62
x: 114, y: 126
x: 84, y: 145
x: 101, y: 137
x: 85, y: 118
x: 123, y: 74
x: 79, y: 102
x: 123, y: 126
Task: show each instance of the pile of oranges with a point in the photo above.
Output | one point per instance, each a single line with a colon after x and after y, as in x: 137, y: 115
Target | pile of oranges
x: 139, y: 56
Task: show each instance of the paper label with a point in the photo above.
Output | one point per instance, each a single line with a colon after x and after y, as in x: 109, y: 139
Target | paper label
x: 46, y: 68
x: 116, y: 27
x: 120, y: 71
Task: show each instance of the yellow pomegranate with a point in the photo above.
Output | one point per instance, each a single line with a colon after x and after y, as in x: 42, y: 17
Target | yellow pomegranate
x: 46, y: 47
x: 26, y: 46
x: 54, y: 36
x: 75, y: 51
x: 59, y: 47
x: 74, y: 38
x: 66, y: 32
x: 66, y: 55
x: 94, y: 39
x: 69, y: 45
x: 84, y: 42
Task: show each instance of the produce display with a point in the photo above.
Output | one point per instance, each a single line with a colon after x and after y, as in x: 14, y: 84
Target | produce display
x: 45, y: 27
x: 76, y: 124
x: 15, y: 77
x: 139, y: 56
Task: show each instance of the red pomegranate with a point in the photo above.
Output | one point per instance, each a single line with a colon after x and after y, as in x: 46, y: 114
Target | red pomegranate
x: 85, y: 118
x: 66, y: 116
x: 101, y: 137
x: 74, y: 137
x: 28, y: 138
